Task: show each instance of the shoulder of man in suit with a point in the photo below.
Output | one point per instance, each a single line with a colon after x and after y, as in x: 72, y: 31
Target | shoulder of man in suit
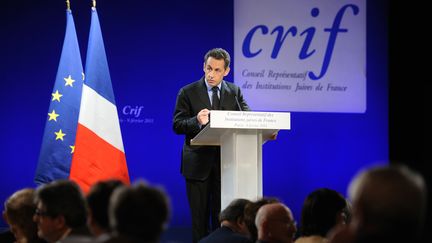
x: 231, y: 87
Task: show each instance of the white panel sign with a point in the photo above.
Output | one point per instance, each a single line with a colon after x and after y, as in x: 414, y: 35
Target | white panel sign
x: 301, y: 55
x: 249, y: 120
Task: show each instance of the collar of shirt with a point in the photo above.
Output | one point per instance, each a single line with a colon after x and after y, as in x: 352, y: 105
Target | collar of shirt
x: 209, y: 89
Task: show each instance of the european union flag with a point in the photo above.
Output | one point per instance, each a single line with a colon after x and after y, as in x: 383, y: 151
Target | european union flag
x: 58, y: 142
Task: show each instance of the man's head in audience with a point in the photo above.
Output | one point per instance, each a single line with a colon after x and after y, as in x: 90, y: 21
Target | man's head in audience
x: 389, y: 203
x: 98, y: 200
x: 140, y: 212
x: 275, y: 223
x: 233, y: 217
x: 60, y: 207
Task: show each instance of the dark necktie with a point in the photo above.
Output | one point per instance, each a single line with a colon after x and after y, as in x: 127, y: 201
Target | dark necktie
x: 215, y: 98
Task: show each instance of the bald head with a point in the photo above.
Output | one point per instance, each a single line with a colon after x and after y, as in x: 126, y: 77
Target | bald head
x: 388, y: 199
x: 275, y: 222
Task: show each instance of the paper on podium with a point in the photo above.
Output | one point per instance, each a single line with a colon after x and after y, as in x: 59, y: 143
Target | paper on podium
x: 222, y: 122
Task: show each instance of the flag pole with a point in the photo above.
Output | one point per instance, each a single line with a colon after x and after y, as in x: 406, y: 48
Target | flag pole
x: 99, y: 152
x: 67, y: 5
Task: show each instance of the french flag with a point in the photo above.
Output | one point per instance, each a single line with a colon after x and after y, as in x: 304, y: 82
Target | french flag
x: 99, y: 153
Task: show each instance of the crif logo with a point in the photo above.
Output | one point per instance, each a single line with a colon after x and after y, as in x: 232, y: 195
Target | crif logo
x: 301, y: 55
x: 279, y: 36
x: 134, y: 114
x: 134, y: 111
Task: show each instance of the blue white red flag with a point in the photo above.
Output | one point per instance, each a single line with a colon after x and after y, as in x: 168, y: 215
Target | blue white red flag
x: 99, y: 152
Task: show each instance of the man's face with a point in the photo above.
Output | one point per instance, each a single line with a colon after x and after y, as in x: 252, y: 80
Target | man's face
x: 48, y: 227
x: 215, y: 71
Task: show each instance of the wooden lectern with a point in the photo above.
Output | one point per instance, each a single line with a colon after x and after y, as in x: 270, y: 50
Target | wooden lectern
x: 241, y: 135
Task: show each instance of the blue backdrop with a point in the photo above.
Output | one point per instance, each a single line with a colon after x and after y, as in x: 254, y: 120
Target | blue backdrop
x: 153, y: 49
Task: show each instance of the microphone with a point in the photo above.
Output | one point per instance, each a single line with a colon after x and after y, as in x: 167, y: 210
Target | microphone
x: 238, y: 103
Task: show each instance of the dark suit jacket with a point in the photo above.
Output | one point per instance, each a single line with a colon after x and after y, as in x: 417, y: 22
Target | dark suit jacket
x: 197, y: 161
x: 6, y: 236
x: 225, y: 235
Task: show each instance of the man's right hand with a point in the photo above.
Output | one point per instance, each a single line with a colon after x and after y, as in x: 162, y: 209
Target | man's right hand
x: 203, y: 116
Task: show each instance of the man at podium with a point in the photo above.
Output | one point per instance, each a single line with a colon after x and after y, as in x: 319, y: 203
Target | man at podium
x: 200, y: 165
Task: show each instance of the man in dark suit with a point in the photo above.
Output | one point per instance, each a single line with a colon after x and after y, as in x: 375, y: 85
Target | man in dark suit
x: 233, y: 228
x: 137, y: 214
x: 201, y: 164
x: 61, y: 212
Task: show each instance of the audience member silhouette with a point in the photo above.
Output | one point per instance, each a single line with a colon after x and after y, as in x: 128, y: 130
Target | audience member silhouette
x: 275, y: 224
x: 389, y: 204
x: 98, y: 201
x: 19, y: 210
x: 138, y: 213
x: 250, y: 212
x: 6, y: 236
x: 322, y: 210
x: 60, y: 212
x: 233, y: 228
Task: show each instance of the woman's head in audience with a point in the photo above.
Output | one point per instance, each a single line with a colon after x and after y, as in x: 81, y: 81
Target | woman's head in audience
x: 322, y: 210
x: 19, y: 210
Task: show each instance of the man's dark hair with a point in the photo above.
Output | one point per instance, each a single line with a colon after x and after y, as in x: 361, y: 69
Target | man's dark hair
x: 234, y: 210
x: 319, y: 212
x: 139, y: 211
x: 63, y: 197
x: 98, y: 201
x: 250, y: 212
x: 218, y: 54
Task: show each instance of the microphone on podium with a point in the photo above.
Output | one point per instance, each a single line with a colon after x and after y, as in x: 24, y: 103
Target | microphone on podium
x: 238, y: 103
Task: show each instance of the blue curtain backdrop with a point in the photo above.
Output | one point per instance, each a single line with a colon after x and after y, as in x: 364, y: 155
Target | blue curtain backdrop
x: 153, y: 49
